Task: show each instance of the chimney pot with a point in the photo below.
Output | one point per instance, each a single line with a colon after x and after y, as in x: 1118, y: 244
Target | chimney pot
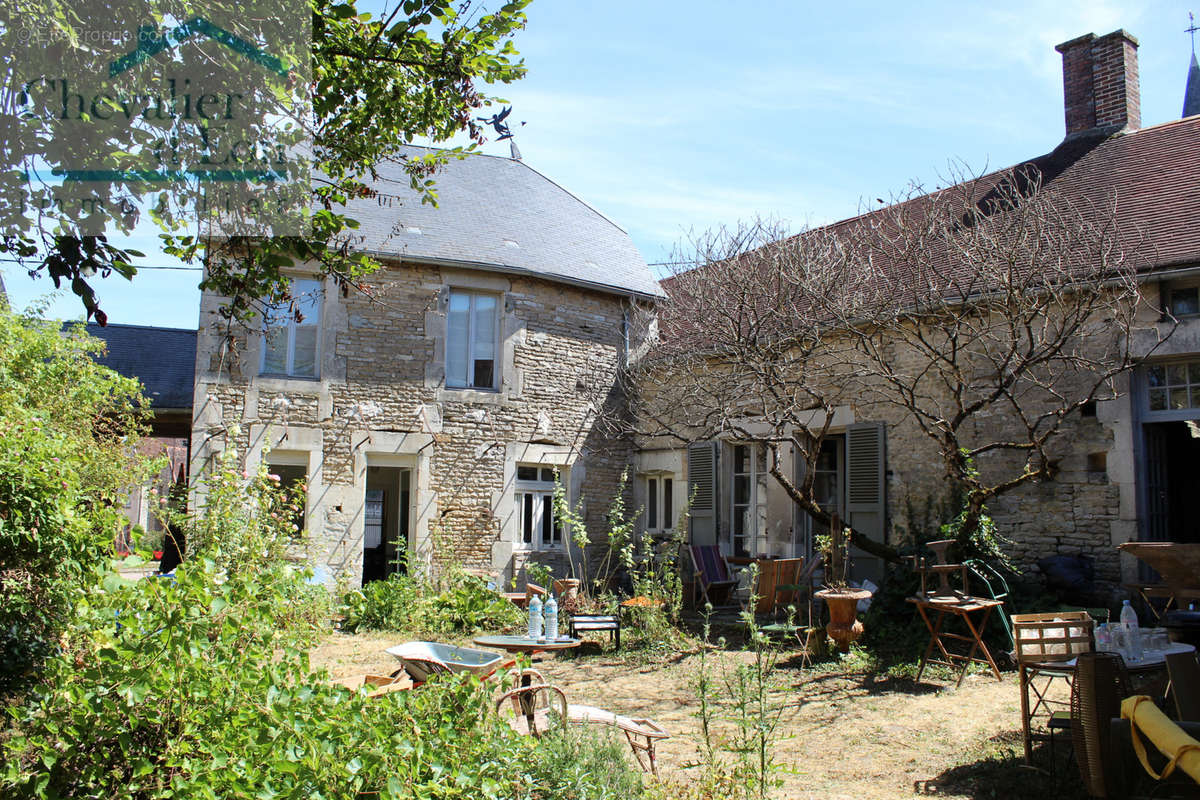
x: 1100, y: 83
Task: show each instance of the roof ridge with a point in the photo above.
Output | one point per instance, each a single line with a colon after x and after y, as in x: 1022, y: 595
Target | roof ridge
x: 128, y: 325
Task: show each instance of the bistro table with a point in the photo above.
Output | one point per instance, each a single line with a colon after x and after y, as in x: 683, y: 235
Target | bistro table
x: 524, y: 644
x: 1143, y: 673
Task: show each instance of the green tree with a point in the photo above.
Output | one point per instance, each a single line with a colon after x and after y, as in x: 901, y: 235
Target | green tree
x: 68, y: 429
x: 376, y: 84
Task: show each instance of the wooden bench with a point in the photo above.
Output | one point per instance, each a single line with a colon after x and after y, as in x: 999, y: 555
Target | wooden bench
x: 583, y: 623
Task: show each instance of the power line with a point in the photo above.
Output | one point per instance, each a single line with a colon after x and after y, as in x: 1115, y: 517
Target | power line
x: 138, y: 267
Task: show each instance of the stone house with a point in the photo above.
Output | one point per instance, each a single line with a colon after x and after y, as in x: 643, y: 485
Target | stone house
x: 1129, y: 466
x: 429, y: 414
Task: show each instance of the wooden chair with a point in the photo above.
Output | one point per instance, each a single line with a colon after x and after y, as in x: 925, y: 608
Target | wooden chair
x: 1185, y: 684
x: 713, y: 577
x: 798, y: 587
x: 1044, y: 643
x: 536, y: 708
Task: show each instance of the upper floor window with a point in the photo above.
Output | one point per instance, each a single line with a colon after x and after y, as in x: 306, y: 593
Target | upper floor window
x: 537, y: 525
x: 472, y: 323
x: 291, y: 333
x: 1182, y: 301
x: 660, y: 513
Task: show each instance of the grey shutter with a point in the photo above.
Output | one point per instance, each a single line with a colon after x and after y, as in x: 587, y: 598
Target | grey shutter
x: 702, y: 489
x: 866, y: 501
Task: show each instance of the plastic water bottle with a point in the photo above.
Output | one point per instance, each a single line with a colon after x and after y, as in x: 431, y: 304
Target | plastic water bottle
x: 551, y: 614
x: 1133, y: 638
x: 535, y: 617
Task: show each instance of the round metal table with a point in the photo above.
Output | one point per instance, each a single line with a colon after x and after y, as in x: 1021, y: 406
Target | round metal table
x: 523, y: 644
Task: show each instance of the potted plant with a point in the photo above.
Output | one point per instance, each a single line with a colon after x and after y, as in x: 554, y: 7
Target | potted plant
x: 842, y: 598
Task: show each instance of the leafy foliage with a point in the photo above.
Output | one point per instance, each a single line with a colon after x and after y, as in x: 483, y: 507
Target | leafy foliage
x: 181, y: 694
x: 245, y: 519
x: 67, y: 431
x: 377, y: 83
x: 457, y: 603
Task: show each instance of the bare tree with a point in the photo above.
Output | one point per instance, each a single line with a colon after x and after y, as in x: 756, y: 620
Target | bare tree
x: 742, y: 354
x: 987, y: 314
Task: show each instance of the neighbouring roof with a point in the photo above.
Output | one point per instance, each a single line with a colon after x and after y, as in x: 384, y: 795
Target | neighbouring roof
x: 1149, y: 177
x: 500, y: 214
x: 163, y: 359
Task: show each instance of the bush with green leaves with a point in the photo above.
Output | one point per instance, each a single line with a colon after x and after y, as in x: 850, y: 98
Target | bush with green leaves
x: 456, y: 603
x: 190, y: 689
x: 68, y: 431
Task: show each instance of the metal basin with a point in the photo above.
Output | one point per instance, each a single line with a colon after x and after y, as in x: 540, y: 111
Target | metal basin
x: 422, y: 659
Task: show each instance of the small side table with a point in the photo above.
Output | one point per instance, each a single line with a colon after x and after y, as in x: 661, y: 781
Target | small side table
x: 962, y: 609
x: 583, y: 623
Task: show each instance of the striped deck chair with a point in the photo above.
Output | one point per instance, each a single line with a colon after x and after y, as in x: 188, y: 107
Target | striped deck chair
x: 712, y: 575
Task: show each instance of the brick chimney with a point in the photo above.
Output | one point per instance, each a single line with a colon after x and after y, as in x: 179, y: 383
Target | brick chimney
x: 1100, y: 83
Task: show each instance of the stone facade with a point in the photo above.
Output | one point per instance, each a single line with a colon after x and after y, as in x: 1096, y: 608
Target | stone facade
x: 380, y: 400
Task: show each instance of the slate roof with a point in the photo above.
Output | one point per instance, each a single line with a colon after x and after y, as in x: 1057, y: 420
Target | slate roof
x: 163, y: 359
x: 500, y: 214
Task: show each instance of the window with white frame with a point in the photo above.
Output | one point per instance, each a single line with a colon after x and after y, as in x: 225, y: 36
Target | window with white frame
x: 537, y: 527
x: 660, y: 500
x: 748, y: 499
x: 472, y: 324
x: 291, y: 333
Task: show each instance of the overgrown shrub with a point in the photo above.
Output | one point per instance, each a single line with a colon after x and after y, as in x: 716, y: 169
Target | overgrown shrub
x: 192, y: 689
x: 454, y: 604
x: 68, y: 429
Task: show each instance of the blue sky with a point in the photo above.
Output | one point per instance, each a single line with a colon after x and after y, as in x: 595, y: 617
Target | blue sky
x: 670, y: 117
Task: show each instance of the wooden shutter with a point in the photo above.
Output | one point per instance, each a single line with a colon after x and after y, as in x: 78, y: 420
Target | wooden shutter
x: 866, y: 501
x: 702, y: 488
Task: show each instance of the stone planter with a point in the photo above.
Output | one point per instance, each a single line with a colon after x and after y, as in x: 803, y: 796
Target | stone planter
x: 844, y: 627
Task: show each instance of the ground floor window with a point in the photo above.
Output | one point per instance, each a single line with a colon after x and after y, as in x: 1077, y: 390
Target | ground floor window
x: 294, y: 478
x: 748, y: 499
x: 660, y: 512
x: 538, y: 527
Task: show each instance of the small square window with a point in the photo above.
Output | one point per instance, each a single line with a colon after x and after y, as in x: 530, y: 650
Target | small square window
x: 1185, y: 302
x: 527, y: 473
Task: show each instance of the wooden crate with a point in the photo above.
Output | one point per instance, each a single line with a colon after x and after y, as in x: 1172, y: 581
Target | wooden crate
x: 1051, y: 636
x: 376, y: 685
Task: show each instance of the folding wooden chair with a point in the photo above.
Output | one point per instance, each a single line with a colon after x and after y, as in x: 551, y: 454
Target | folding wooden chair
x: 799, y: 587
x: 713, y: 575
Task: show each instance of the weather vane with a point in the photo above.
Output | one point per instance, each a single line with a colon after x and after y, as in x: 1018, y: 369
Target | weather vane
x: 1191, y: 28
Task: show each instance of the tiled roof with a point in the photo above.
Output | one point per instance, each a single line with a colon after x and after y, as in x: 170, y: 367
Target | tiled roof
x: 1151, y: 177
x: 500, y: 214
x: 163, y: 359
x: 1154, y: 176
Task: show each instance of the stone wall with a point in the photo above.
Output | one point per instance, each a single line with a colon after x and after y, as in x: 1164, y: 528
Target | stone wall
x: 381, y: 399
